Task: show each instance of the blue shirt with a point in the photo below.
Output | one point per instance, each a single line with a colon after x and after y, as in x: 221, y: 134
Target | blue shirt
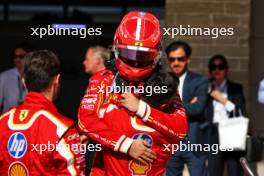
x: 12, y: 92
x: 261, y: 92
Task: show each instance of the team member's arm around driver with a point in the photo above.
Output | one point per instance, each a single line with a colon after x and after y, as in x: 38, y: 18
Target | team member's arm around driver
x: 89, y: 122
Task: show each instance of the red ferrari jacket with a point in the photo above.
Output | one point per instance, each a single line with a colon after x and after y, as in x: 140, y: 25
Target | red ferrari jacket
x: 171, y: 126
x: 37, y: 140
x: 89, y: 115
x: 88, y: 118
x: 155, y: 127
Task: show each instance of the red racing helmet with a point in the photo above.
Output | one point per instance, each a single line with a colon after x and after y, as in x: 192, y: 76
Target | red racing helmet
x: 137, y: 45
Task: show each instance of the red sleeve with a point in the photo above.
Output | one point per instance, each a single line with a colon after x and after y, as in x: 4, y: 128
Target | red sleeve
x: 89, y: 121
x: 173, y: 125
x: 68, y: 157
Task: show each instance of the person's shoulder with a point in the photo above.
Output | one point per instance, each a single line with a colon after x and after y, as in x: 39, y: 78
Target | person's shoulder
x: 197, y: 76
x: 5, y: 114
x: 51, y: 119
x: 102, y: 73
x: 105, y: 75
x: 66, y: 120
x: 262, y: 83
x: 57, y: 118
x: 234, y: 85
x: 194, y: 74
x: 9, y: 72
x: 26, y: 118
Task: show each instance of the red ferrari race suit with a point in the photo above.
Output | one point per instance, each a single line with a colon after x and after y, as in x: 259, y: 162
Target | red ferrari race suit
x: 116, y: 133
x: 169, y: 126
x: 89, y: 123
x: 155, y: 127
x: 37, y: 140
x: 94, y: 97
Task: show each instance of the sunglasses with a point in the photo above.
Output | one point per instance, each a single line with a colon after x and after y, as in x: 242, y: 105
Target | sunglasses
x: 217, y: 66
x: 180, y: 59
x: 20, y: 56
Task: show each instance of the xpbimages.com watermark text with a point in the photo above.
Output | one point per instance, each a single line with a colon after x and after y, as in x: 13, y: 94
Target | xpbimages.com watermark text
x: 81, y: 32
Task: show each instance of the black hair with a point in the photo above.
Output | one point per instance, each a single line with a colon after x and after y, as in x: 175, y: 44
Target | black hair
x: 179, y: 44
x: 218, y: 57
x: 40, y: 68
x: 161, y: 79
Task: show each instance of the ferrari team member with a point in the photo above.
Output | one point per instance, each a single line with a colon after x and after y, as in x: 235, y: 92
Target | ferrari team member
x: 158, y: 132
x: 137, y: 44
x: 94, y: 64
x: 35, y: 138
x: 96, y: 93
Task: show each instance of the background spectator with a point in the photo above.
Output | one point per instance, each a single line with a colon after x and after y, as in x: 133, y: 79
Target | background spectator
x: 193, y: 90
x: 226, y: 100
x: 12, y: 91
x: 94, y: 65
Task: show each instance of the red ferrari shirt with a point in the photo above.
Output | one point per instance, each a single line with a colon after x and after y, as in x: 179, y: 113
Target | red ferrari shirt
x: 37, y: 140
x: 155, y: 127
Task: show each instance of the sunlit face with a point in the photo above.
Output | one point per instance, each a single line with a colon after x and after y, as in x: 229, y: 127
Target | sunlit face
x: 89, y: 62
x: 19, y: 54
x: 178, y: 61
x: 218, y: 70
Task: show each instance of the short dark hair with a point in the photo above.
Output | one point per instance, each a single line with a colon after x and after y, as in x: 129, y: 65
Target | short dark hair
x: 40, y: 67
x: 160, y: 79
x: 179, y: 44
x: 220, y: 57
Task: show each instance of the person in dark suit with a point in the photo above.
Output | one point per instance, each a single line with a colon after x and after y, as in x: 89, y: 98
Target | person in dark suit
x: 193, y: 90
x: 226, y: 100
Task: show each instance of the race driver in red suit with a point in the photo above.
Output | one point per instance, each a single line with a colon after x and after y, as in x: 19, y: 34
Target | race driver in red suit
x: 157, y: 132
x: 95, y: 95
x: 35, y: 138
x: 137, y: 45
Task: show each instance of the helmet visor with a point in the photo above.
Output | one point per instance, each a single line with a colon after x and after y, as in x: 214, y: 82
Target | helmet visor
x: 137, y: 56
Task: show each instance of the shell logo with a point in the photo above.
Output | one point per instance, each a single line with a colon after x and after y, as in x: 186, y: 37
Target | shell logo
x: 138, y: 44
x: 139, y: 169
x: 17, y: 169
